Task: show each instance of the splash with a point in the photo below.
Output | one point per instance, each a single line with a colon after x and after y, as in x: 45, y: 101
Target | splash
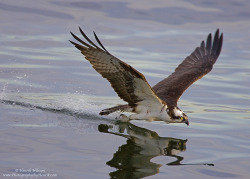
x: 78, y: 105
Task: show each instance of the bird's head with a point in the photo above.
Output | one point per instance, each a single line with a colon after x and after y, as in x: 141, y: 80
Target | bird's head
x: 177, y: 116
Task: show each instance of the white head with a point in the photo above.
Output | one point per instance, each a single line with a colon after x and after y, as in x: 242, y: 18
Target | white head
x: 177, y: 116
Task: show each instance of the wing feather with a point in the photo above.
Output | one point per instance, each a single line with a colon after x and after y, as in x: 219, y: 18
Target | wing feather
x: 194, y: 67
x: 128, y: 83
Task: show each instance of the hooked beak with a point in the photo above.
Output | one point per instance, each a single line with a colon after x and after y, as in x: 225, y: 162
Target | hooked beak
x: 185, y: 120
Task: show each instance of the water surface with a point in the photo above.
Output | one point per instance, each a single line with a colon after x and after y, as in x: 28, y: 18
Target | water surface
x: 51, y: 97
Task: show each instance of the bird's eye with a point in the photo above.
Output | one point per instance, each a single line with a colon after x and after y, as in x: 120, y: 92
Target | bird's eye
x: 181, y: 118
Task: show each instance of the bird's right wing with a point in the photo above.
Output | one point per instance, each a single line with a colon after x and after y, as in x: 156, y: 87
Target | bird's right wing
x: 128, y: 83
x: 194, y: 67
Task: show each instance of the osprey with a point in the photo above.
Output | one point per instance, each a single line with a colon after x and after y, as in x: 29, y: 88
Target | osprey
x: 147, y: 103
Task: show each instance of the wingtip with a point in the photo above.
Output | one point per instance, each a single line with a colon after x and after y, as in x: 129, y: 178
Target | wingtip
x: 220, y: 43
x: 95, y: 35
x: 80, y: 28
x: 99, y: 42
x: 221, y: 36
x: 216, y: 35
x: 209, y: 41
x: 71, y: 33
x: 74, y: 35
x: 75, y: 44
x: 81, y: 31
x: 217, y: 30
x: 203, y: 44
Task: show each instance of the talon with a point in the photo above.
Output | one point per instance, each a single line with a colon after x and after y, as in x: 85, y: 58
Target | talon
x: 122, y: 118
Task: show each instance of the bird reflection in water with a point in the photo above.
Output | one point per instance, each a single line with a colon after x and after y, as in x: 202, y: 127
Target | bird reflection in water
x: 133, y: 159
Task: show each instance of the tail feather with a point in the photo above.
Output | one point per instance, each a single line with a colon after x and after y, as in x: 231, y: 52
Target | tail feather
x: 108, y: 111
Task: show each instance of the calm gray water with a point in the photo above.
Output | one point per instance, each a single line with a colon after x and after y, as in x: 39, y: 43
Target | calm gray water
x: 51, y: 97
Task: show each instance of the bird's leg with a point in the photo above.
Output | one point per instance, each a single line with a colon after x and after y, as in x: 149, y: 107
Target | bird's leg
x: 123, y: 118
x: 139, y: 116
x: 142, y: 116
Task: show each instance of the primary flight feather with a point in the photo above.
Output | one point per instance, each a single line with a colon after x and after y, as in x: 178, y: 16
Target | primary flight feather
x: 159, y: 102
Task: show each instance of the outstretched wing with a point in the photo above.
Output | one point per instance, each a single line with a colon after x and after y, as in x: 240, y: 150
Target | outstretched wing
x: 194, y: 67
x: 128, y: 83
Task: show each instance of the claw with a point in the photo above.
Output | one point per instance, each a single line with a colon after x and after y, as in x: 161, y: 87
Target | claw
x: 123, y: 118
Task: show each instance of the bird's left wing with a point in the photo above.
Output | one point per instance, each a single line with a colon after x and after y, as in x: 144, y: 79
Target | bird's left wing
x: 128, y: 83
x: 194, y: 67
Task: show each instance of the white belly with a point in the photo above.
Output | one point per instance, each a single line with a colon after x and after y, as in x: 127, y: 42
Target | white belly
x: 152, y: 113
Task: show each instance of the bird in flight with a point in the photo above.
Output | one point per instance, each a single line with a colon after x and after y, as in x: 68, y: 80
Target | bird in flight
x: 157, y: 103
